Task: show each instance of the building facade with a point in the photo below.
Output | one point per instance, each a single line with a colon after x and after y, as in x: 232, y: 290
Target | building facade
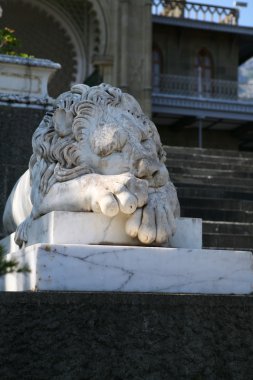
x: 94, y: 41
x: 197, y: 99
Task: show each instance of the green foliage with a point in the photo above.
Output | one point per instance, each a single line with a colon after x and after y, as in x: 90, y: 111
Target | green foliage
x: 9, y: 43
x: 10, y: 266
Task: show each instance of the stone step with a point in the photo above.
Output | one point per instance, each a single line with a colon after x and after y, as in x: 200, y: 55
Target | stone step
x: 217, y: 203
x: 217, y: 215
x: 175, y: 162
x: 234, y: 228
x: 200, y: 191
x: 231, y: 183
x: 213, y: 159
x: 228, y: 240
x: 215, y: 185
x: 214, y: 173
x: 198, y: 152
x: 236, y: 160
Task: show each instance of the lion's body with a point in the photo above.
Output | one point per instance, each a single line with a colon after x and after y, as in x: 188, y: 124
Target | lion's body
x: 18, y: 206
x: 96, y: 152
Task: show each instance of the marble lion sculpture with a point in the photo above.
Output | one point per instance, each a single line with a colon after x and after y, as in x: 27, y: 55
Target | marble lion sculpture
x: 96, y: 152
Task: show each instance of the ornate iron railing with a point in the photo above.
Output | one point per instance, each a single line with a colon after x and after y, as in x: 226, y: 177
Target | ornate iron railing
x: 197, y: 11
x: 205, y: 88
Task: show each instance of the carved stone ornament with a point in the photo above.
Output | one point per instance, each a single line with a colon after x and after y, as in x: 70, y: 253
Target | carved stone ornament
x: 97, y: 152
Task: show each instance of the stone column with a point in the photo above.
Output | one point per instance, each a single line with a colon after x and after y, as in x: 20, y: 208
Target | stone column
x: 129, y: 45
x: 139, y: 56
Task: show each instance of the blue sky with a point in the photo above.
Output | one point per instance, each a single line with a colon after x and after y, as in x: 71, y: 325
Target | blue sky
x: 246, y: 14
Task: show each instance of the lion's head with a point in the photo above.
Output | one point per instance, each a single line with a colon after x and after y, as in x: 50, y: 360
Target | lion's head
x: 96, y: 130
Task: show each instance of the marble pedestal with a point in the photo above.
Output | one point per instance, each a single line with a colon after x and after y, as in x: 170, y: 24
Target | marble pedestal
x: 61, y: 227
x: 74, y: 252
x: 131, y: 269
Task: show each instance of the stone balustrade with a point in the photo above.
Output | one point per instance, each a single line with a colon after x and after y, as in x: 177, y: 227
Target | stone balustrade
x: 197, y: 11
x: 196, y: 86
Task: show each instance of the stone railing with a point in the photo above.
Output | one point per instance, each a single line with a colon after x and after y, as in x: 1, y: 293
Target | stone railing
x: 198, y: 87
x: 196, y: 11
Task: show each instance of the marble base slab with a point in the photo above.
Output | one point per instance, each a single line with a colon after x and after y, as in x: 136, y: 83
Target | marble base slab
x: 61, y: 227
x: 131, y: 269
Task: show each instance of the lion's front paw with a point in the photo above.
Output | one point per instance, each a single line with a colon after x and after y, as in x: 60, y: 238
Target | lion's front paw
x: 122, y: 192
x: 21, y: 234
x: 155, y: 222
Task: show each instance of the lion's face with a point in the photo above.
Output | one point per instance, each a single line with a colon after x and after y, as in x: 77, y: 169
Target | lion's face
x: 98, y: 130
x: 120, y: 142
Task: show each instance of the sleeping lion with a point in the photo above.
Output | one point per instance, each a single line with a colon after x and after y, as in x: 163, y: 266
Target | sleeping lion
x: 96, y: 152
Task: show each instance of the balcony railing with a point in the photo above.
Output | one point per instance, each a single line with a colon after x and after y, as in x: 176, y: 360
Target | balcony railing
x: 196, y: 11
x: 191, y: 86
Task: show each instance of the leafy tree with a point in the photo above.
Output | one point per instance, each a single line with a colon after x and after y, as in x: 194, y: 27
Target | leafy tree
x: 10, y: 266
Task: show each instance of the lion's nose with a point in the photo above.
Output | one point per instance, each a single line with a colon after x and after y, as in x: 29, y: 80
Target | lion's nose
x: 147, y: 168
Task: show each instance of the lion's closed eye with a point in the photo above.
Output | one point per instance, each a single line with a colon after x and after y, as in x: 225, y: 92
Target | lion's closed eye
x: 108, y: 138
x: 146, y: 134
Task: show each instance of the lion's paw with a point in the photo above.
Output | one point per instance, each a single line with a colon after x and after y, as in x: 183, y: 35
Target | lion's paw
x: 122, y: 192
x: 155, y: 222
x: 21, y: 234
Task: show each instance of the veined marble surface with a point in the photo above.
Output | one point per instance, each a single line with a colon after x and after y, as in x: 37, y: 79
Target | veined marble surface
x: 61, y: 227
x: 132, y: 269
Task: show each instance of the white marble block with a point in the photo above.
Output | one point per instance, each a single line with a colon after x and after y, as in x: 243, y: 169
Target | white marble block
x: 60, y: 227
x: 132, y: 269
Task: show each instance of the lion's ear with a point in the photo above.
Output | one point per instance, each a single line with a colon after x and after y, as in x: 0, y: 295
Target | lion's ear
x: 63, y: 121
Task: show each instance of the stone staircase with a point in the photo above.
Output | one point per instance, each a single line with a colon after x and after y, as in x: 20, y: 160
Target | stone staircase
x: 217, y: 186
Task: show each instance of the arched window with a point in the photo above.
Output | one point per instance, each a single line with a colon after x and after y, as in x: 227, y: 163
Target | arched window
x: 204, y: 71
x: 156, y: 68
